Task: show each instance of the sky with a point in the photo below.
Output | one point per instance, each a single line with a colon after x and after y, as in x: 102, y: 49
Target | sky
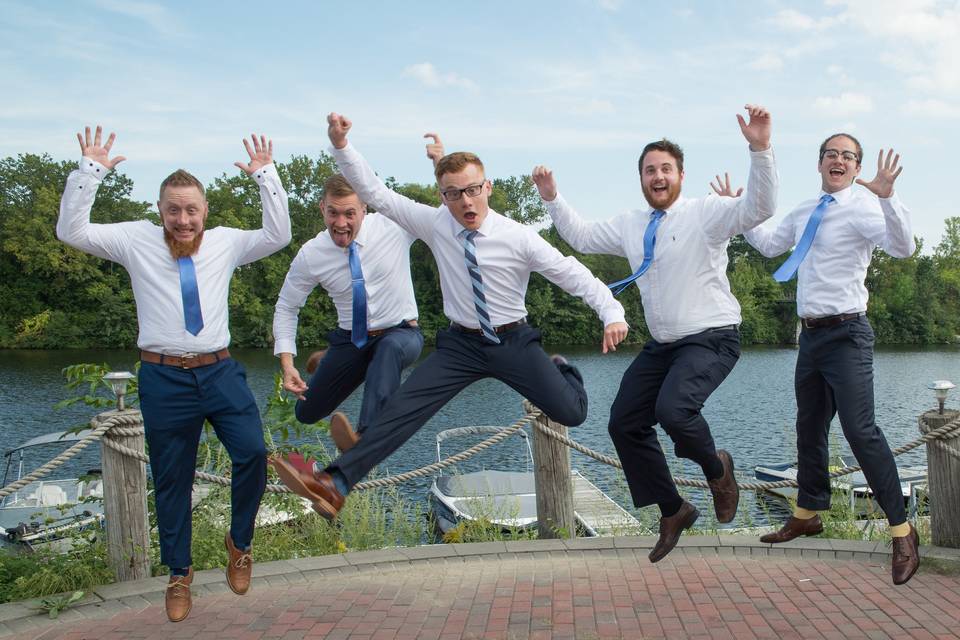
x: 577, y: 85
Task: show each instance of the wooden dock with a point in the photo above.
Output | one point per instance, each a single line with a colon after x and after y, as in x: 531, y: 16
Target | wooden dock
x: 599, y: 513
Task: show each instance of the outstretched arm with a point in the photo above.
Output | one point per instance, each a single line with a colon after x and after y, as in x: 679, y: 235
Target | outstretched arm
x: 274, y: 233
x: 417, y: 219
x: 585, y: 237
x: 894, y: 235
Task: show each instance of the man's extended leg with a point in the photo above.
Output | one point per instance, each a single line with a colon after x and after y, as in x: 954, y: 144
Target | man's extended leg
x: 394, y: 351
x: 338, y: 374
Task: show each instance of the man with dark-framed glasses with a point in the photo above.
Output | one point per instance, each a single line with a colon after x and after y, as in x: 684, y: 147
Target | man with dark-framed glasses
x: 834, y: 236
x: 485, y: 260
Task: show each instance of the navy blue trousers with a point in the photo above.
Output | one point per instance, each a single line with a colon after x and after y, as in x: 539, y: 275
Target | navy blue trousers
x: 835, y: 376
x: 668, y: 383
x: 174, y: 403
x: 459, y: 360
x: 344, y: 367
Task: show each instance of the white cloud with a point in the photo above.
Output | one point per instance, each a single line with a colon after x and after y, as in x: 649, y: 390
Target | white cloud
x: 767, y: 62
x: 153, y: 15
x: 847, y: 103
x: 793, y: 20
x: 427, y: 74
x: 610, y: 5
x: 932, y: 108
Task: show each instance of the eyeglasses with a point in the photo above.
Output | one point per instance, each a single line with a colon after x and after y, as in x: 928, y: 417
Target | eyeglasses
x: 452, y: 195
x: 833, y: 154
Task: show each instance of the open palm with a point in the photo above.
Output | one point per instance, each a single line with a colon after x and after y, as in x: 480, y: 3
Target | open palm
x: 94, y: 149
x: 887, y: 171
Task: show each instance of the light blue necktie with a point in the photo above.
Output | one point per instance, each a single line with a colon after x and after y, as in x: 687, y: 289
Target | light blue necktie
x: 358, y: 336
x: 649, y: 242
x: 192, y: 316
x: 479, y: 300
x: 789, y: 268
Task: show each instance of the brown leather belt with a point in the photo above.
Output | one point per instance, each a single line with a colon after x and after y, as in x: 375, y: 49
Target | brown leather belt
x: 185, y: 361
x: 479, y: 332
x: 406, y: 324
x: 829, y: 321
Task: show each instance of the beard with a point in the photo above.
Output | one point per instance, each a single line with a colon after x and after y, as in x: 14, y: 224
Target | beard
x: 182, y: 249
x: 673, y: 192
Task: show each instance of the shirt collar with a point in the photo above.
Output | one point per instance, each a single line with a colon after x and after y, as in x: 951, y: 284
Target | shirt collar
x: 361, y: 238
x: 485, y: 229
x: 842, y: 197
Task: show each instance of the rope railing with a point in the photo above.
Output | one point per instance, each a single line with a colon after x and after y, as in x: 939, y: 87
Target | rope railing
x: 120, y: 425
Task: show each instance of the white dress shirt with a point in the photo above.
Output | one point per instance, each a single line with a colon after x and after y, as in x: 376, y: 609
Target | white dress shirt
x: 830, y: 278
x: 685, y: 290
x: 507, y: 252
x: 384, y: 251
x: 140, y: 247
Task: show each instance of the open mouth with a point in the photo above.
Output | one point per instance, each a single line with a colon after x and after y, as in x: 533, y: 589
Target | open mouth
x: 837, y: 172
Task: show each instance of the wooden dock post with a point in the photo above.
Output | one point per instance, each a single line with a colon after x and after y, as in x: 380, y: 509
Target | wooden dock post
x: 943, y: 481
x: 125, y: 502
x: 551, y: 460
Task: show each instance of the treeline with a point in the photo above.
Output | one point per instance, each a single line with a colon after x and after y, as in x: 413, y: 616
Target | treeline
x: 56, y: 297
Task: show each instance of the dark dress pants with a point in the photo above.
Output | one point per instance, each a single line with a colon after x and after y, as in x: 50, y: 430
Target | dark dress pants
x: 668, y: 383
x: 344, y: 367
x: 835, y: 376
x: 174, y: 403
x: 459, y: 360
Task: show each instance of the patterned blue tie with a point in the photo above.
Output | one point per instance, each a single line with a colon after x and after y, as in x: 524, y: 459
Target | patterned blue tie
x: 192, y: 316
x: 358, y: 336
x: 789, y: 268
x: 649, y: 242
x: 479, y: 300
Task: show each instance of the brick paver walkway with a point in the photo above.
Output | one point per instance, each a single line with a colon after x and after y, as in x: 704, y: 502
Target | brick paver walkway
x: 606, y: 588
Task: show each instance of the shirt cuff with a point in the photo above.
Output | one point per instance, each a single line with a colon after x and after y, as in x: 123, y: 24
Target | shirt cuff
x: 554, y: 204
x: 762, y: 157
x: 284, y: 345
x: 613, y: 314
x: 264, y: 173
x: 93, y: 168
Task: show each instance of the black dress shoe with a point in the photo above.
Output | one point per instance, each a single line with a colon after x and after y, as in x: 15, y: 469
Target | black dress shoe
x: 671, y: 528
x: 906, y: 556
x: 726, y: 493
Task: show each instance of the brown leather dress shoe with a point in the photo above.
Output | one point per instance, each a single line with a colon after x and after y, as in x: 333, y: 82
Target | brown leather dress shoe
x: 794, y: 528
x: 342, y: 433
x: 239, y: 567
x: 726, y: 493
x: 297, y: 473
x: 671, y: 528
x: 906, y: 556
x: 314, y: 360
x: 177, y: 601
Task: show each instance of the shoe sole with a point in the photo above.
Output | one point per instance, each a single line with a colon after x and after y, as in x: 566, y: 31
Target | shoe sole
x: 342, y: 434
x: 802, y: 535
x: 291, y: 478
x: 686, y: 525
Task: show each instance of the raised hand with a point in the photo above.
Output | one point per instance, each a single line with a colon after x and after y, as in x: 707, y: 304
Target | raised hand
x: 261, y: 154
x: 722, y: 188
x: 613, y: 334
x: 337, y: 128
x: 546, y: 185
x: 91, y: 148
x: 887, y: 172
x: 757, y: 131
x: 434, y: 149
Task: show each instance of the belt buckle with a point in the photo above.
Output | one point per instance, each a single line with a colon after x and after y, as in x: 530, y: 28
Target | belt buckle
x: 186, y: 357
x: 808, y: 323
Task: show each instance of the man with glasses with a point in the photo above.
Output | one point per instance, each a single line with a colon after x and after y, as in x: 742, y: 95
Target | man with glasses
x: 834, y: 236
x: 677, y: 248
x: 485, y: 261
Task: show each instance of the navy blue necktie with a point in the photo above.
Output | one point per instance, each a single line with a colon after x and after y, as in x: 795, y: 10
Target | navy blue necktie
x: 192, y: 316
x: 476, y: 281
x: 649, y: 242
x: 789, y: 268
x: 358, y: 336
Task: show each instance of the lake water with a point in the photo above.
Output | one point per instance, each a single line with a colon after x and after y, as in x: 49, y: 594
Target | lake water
x: 751, y: 414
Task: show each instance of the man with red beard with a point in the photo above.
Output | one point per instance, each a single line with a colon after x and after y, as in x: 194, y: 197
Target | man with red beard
x: 678, y: 250
x: 181, y: 278
x: 835, y: 235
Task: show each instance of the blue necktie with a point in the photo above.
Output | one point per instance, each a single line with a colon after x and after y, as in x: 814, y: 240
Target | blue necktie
x: 649, y: 242
x: 479, y: 300
x: 789, y: 268
x: 192, y: 316
x: 358, y: 336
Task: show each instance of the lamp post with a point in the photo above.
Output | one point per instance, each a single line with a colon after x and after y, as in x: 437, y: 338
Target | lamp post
x: 940, y: 390
x: 117, y: 381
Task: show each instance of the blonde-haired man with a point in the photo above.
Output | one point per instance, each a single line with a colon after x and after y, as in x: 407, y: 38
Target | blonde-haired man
x: 180, y: 273
x: 362, y: 261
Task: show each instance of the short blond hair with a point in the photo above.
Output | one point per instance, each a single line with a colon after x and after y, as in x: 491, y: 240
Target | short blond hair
x: 181, y: 178
x: 337, y: 186
x: 455, y: 163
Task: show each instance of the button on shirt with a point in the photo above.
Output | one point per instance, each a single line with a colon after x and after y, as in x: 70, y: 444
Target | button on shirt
x: 140, y: 247
x: 507, y: 252
x: 385, y: 260
x: 830, y: 280
x: 685, y: 290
